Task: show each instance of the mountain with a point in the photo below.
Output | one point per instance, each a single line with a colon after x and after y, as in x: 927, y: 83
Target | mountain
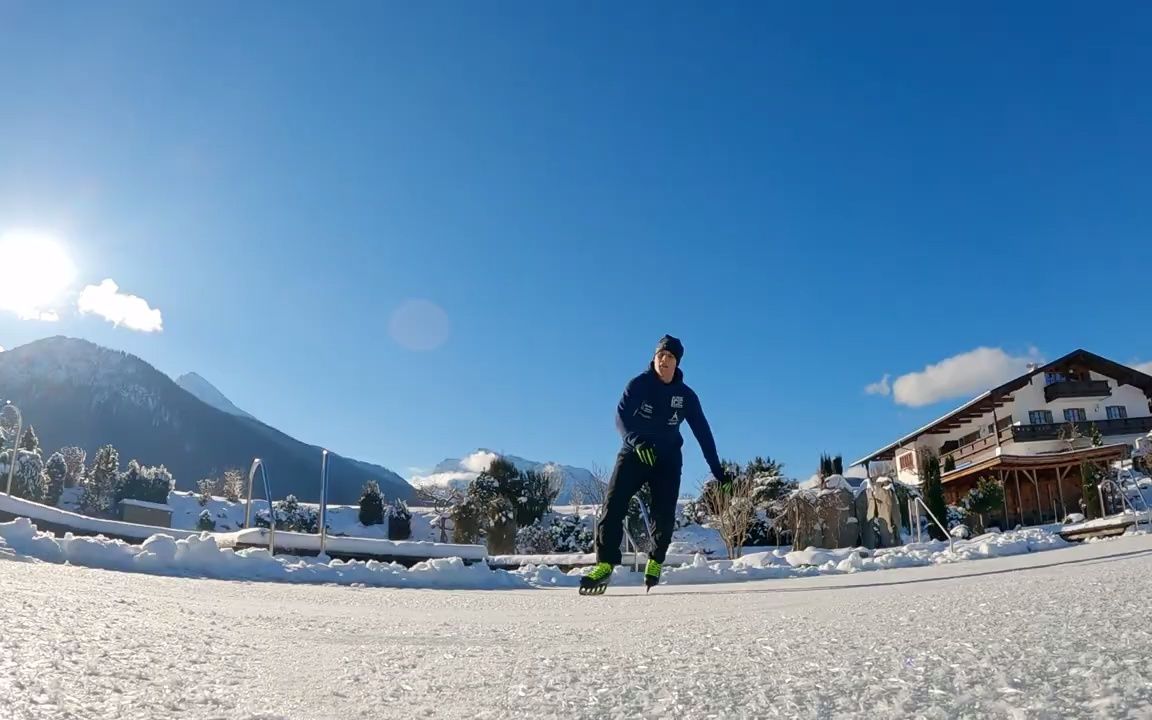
x: 77, y: 393
x: 460, y: 472
x: 207, y: 392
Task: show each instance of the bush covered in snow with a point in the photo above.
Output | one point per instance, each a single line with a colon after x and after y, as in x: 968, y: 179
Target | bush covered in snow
x: 467, y: 522
x: 56, y: 471
x: 99, y: 485
x: 291, y: 516
x: 983, y: 500
x: 956, y: 516
x: 29, y: 480
x: 74, y: 458
x: 205, y: 521
x: 371, y: 504
x: 150, y: 484
x: 399, y: 520
x: 205, y: 488
x: 570, y: 534
x: 534, y: 540
x: 760, y: 532
x: 233, y: 485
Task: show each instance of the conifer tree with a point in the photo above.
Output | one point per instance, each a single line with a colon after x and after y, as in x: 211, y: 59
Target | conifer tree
x: 29, y: 441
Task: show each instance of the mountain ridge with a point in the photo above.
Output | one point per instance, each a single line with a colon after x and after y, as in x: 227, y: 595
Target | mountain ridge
x: 75, y: 392
x: 205, y: 391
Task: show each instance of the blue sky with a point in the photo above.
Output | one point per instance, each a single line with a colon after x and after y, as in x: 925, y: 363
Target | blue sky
x: 812, y: 198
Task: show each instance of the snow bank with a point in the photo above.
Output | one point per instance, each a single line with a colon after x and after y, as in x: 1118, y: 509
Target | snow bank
x: 778, y: 563
x: 201, y: 556
x: 307, y: 542
x: 57, y: 516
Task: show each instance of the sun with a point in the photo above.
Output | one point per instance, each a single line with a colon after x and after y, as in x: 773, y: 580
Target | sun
x: 35, y: 274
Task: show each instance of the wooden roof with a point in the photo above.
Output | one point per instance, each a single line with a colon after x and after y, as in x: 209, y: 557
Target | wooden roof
x: 999, y: 396
x: 1044, y: 461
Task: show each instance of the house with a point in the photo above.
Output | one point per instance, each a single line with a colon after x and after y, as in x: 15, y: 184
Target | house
x: 1020, y: 434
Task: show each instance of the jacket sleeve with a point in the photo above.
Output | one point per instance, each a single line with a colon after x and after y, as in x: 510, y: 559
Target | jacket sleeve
x: 703, y: 432
x: 626, y: 414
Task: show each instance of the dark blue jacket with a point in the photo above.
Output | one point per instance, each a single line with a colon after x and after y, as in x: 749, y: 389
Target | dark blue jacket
x: 650, y: 413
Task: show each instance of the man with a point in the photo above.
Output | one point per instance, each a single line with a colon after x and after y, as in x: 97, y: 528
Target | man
x: 648, y: 417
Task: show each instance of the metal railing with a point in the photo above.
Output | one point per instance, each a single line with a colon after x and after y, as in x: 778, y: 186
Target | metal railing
x: 914, y: 505
x: 629, y: 541
x: 258, y: 463
x: 15, y: 444
x: 323, y: 502
x: 1124, y: 500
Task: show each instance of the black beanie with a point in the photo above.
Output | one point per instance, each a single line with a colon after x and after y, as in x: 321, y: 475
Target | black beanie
x: 672, y: 345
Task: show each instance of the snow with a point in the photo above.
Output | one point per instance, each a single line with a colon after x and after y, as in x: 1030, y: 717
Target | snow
x: 359, y: 545
x: 460, y: 472
x: 342, y: 519
x: 20, y: 506
x: 202, y: 556
x: 1054, y: 635
x: 146, y: 504
x: 213, y: 555
x: 207, y: 393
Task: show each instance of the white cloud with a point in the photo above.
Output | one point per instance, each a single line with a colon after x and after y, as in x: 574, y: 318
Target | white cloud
x: 478, y: 461
x: 880, y: 388
x: 966, y: 374
x: 1144, y: 367
x: 131, y: 311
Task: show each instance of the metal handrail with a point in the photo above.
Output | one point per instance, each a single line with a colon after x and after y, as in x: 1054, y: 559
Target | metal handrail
x: 628, y: 541
x: 1124, y: 499
x: 323, y: 501
x: 258, y: 463
x: 15, y: 444
x: 647, y: 522
x: 916, y: 502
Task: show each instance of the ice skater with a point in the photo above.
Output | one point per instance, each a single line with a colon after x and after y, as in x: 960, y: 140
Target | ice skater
x: 648, y: 417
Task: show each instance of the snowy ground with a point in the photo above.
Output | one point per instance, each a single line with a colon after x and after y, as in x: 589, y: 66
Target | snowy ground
x: 1058, y: 634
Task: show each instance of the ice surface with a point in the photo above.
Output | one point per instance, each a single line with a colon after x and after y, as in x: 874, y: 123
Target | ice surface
x: 1051, y: 635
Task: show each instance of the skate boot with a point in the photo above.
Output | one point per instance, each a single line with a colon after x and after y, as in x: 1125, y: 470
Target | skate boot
x: 597, y: 579
x: 651, y: 575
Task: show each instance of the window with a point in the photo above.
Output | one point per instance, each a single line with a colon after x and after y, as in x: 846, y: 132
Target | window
x: 1117, y: 412
x: 907, y: 462
x: 1040, y: 417
x: 1053, y: 377
x: 1075, y: 415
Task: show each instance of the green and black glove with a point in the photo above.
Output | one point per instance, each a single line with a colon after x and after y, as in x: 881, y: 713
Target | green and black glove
x: 726, y: 484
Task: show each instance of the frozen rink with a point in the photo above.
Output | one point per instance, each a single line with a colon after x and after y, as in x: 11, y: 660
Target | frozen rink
x: 1059, y: 634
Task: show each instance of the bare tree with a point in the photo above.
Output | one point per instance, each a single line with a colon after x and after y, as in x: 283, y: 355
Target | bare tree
x: 442, y: 500
x: 734, y: 511
x: 594, y: 488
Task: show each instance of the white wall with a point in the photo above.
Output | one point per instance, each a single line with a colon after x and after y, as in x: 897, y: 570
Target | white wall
x: 1031, y: 397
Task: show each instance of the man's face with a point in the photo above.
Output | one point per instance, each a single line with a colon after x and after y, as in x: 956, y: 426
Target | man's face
x: 665, y: 363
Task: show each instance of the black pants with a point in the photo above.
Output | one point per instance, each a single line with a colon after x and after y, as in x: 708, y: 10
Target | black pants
x: 628, y: 476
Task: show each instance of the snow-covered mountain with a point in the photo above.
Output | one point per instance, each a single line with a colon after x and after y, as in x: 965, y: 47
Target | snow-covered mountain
x: 77, y: 393
x: 460, y: 472
x: 207, y: 392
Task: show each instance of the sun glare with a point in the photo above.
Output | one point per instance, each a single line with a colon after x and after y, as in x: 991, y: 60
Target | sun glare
x: 37, y: 273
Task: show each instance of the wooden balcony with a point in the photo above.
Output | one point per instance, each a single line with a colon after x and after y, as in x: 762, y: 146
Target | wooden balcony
x: 965, y: 453
x: 1051, y: 431
x: 1077, y: 389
